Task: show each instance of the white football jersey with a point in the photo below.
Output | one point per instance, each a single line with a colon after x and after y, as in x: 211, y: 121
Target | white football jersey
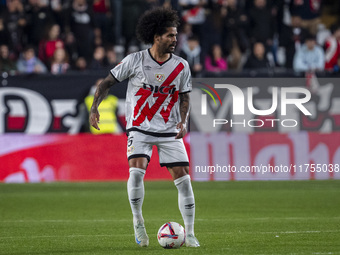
x: 152, y: 102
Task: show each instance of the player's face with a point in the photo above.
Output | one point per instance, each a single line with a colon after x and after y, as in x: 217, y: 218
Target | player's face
x: 167, y: 41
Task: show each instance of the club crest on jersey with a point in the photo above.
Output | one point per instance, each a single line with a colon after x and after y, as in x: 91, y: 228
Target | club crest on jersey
x: 160, y: 77
x: 130, y: 149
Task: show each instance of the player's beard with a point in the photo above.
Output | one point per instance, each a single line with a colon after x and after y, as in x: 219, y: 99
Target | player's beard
x: 170, y: 49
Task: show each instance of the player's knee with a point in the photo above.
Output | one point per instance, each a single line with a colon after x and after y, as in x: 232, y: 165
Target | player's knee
x: 141, y: 163
x: 178, y: 172
x: 136, y: 176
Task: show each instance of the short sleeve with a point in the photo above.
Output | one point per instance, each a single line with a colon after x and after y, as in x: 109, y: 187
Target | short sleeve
x: 186, y: 83
x: 123, y: 70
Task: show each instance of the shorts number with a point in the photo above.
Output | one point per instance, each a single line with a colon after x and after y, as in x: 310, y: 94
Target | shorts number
x: 130, y: 141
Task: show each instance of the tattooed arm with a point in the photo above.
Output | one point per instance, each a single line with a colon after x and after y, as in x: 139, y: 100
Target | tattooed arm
x: 184, y: 106
x: 101, y: 92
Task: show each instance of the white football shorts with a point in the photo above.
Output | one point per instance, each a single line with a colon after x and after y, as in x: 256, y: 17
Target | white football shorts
x: 171, y: 151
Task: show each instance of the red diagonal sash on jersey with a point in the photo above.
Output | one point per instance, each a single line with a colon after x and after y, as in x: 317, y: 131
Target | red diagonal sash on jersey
x: 150, y: 112
x: 166, y: 113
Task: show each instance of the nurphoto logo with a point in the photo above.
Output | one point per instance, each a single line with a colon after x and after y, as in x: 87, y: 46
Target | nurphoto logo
x: 239, y: 103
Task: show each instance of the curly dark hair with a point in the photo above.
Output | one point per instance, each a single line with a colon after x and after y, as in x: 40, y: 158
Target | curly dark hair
x: 154, y: 22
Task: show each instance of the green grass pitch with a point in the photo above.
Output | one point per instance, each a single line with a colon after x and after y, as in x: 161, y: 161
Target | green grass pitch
x: 277, y: 217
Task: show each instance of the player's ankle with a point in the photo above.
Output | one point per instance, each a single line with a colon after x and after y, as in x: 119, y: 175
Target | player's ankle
x: 138, y: 219
x: 189, y: 229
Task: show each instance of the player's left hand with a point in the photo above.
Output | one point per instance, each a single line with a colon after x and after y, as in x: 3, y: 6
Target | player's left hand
x: 94, y: 118
x: 182, y: 130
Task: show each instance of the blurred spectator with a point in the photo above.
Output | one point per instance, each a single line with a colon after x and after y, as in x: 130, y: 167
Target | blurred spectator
x: 183, y: 35
x: 193, y: 12
x: 132, y: 48
x: 309, y: 57
x: 99, y: 59
x: 111, y: 57
x: 276, y: 7
x: 258, y: 58
x: 71, y: 48
x: 332, y: 49
x: 6, y: 64
x: 80, y: 64
x: 50, y: 43
x: 322, y: 34
x: 309, y: 11
x: 170, y: 4
x: 29, y: 63
x: 60, y: 62
x: 2, y: 5
x: 149, y: 4
x: 103, y: 19
x: 4, y: 34
x: 15, y: 22
x: 214, y: 62
x: 212, y: 27
x: 109, y: 123
x: 88, y: 24
x: 235, y: 41
x: 80, y: 21
x: 291, y: 38
x: 38, y: 15
x: 57, y: 8
x: 261, y: 24
x: 192, y: 53
x: 278, y: 10
x: 131, y: 11
x: 98, y: 39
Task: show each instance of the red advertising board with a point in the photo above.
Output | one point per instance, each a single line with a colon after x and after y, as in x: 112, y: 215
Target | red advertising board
x: 84, y: 157
x: 265, y: 156
x: 220, y: 156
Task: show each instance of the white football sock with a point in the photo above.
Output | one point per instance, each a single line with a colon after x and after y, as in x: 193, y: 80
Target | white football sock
x: 186, y: 202
x: 135, y: 187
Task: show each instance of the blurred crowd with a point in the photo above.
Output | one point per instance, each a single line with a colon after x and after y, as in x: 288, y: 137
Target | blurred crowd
x: 215, y: 36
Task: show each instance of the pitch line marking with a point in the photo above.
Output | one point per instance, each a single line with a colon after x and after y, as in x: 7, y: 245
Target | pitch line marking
x: 280, y: 232
x: 303, y: 232
x: 119, y: 235
x: 269, y: 218
x: 160, y: 219
x: 60, y: 236
x: 66, y: 221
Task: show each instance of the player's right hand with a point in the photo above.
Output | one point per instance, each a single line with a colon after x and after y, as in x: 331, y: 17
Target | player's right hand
x: 94, y: 118
x: 182, y: 130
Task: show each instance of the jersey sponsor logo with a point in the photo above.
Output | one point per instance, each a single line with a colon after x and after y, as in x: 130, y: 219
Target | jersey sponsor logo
x: 141, y: 113
x: 160, y: 77
x: 160, y: 89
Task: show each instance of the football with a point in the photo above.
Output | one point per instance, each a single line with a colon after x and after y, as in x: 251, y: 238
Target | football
x: 171, y: 235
